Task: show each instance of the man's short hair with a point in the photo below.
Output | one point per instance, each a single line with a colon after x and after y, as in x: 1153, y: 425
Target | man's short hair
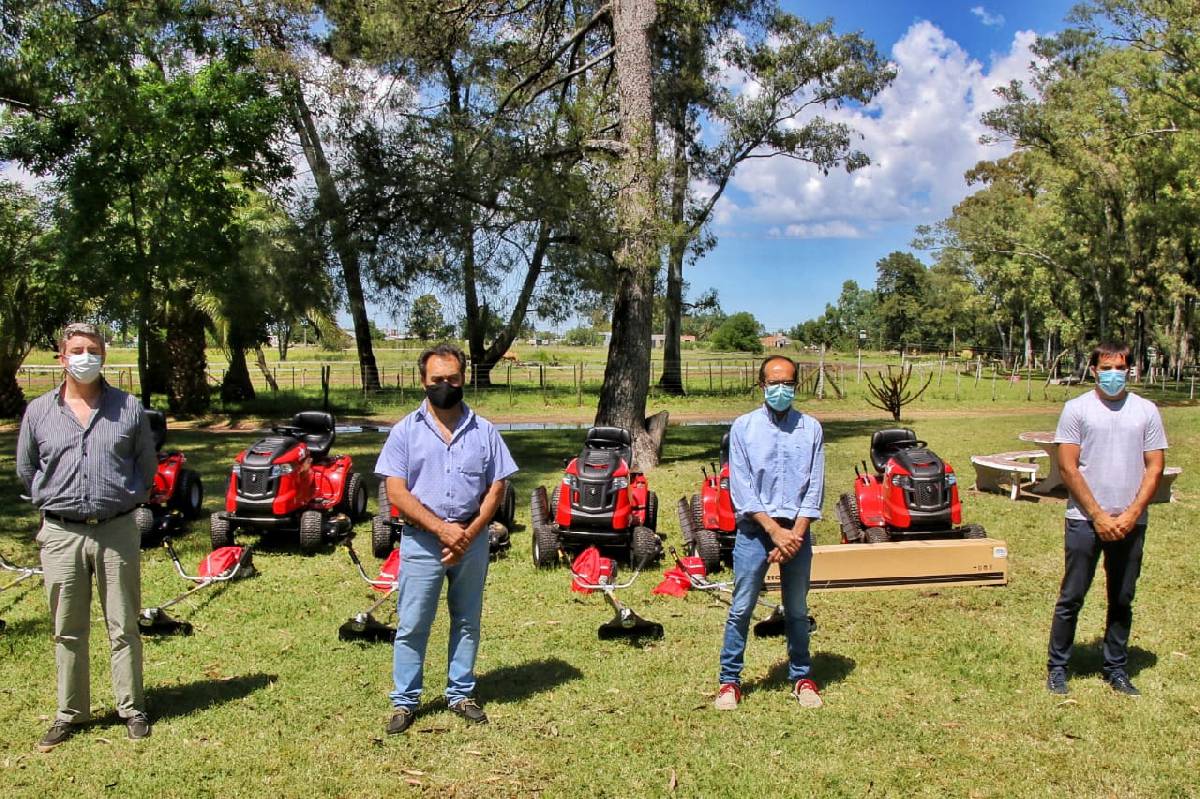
x: 79, y: 329
x: 762, y: 367
x: 443, y: 350
x: 1110, y: 349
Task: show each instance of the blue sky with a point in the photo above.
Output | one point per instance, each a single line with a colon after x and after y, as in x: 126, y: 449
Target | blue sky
x: 789, y: 237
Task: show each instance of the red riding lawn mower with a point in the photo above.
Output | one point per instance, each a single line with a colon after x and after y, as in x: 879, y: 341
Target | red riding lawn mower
x: 388, y: 525
x: 289, y: 481
x: 708, y: 522
x: 177, y: 495
x: 911, y: 493
x: 600, y: 502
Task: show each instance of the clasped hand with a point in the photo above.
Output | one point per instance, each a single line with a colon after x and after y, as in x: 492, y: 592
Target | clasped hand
x: 1112, y: 527
x: 455, y: 540
x: 787, y: 544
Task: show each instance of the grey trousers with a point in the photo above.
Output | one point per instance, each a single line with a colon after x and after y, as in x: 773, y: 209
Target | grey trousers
x: 72, y: 554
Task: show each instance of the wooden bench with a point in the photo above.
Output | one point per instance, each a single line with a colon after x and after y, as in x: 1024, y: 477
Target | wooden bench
x: 1164, y: 492
x: 1007, y: 472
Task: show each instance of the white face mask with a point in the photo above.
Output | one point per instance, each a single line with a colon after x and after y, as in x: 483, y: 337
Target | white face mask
x: 84, y: 367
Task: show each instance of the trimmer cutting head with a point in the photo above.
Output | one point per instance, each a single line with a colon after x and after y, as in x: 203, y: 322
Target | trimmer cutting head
x: 628, y: 625
x: 365, y: 627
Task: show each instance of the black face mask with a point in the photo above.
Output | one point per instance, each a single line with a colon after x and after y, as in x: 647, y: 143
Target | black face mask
x: 444, y: 395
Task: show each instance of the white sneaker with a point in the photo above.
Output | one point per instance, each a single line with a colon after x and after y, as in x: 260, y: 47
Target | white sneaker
x: 728, y: 697
x: 806, y: 693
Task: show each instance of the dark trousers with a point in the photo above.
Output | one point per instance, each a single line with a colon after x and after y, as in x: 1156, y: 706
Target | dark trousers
x: 1122, y: 565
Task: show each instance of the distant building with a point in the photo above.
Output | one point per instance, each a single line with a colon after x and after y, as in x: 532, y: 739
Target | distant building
x: 687, y: 339
x: 775, y: 342
x: 657, y: 340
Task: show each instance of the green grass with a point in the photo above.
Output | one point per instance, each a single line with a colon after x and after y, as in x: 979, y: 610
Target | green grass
x: 928, y: 692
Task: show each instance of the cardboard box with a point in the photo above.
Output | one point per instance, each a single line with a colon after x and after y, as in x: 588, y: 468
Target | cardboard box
x: 905, y: 564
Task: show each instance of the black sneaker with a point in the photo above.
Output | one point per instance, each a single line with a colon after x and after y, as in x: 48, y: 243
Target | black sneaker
x: 59, y: 731
x: 1118, y: 680
x: 402, y: 718
x: 138, y: 726
x: 1056, y: 681
x: 470, y: 711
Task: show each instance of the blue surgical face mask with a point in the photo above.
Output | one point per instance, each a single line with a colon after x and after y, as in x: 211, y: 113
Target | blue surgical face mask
x: 779, y: 397
x: 1111, y: 381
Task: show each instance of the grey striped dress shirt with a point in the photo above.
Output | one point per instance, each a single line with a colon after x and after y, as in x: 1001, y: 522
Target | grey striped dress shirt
x: 95, y: 471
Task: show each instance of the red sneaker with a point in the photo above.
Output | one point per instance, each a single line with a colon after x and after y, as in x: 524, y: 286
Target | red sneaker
x: 728, y: 697
x: 806, y: 693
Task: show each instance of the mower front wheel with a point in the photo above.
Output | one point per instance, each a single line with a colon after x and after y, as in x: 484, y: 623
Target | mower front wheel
x: 385, y: 505
x: 684, y: 511
x: 652, y: 511
x: 706, y: 547
x: 312, y: 531
x: 507, y: 514
x: 220, y: 531
x: 847, y: 511
x: 645, y: 549
x: 189, y: 494
x: 974, y: 531
x: 878, y: 535
x: 354, y: 503
x: 545, y: 546
x: 539, y: 511
x: 381, y: 536
x: 143, y: 518
x: 697, y: 512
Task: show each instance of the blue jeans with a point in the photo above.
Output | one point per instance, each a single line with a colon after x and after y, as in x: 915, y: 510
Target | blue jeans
x: 420, y: 589
x: 750, y: 550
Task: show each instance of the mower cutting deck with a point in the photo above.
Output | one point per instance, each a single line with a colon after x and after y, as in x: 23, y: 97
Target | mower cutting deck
x: 220, y: 566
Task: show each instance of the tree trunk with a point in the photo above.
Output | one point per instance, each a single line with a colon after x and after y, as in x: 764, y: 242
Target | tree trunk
x: 333, y: 212
x: 187, y: 393
x: 627, y: 371
x: 237, y: 386
x: 12, y: 399
x: 1027, y: 334
x: 484, y: 360
x: 671, y: 380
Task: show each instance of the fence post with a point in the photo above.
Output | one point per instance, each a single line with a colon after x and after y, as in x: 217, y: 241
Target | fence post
x: 710, y: 383
x: 978, y: 369
x: 994, y: 371
x: 957, y: 382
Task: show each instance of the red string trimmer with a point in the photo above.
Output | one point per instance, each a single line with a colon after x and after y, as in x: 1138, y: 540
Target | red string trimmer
x: 364, y: 626
x: 689, y: 573
x: 23, y: 574
x: 220, y: 566
x: 591, y: 572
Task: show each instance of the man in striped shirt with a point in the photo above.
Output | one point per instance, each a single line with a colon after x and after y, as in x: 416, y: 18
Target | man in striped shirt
x: 86, y: 456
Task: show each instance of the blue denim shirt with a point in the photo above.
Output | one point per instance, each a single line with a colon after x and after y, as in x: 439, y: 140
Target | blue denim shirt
x: 449, y: 479
x: 777, y: 468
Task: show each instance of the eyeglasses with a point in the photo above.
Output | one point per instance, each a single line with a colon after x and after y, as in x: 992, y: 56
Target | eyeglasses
x: 788, y: 383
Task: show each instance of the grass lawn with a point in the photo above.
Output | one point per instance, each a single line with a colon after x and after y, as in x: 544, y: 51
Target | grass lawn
x: 928, y: 692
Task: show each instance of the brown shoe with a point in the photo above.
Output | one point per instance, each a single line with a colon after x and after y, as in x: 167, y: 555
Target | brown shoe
x: 138, y: 726
x: 470, y: 711
x: 59, y: 731
x: 402, y: 718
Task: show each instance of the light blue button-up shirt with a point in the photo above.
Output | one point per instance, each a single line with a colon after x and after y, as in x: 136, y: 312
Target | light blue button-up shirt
x: 777, y: 467
x: 449, y: 479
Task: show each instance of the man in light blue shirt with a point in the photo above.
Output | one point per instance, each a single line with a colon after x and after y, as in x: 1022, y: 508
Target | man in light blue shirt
x: 777, y: 483
x: 446, y: 470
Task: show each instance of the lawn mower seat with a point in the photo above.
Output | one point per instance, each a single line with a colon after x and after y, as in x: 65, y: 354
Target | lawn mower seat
x: 607, y: 440
x: 318, y: 431
x: 724, y: 449
x: 158, y: 428
x: 884, y: 444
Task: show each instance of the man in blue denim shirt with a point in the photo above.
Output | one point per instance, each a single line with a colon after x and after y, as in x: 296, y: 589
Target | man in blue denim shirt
x: 777, y: 482
x: 446, y: 470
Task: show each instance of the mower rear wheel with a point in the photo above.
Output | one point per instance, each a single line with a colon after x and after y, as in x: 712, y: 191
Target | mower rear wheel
x: 312, y: 531
x: 354, y: 500
x: 652, y: 511
x: 220, y: 531
x: 507, y: 514
x: 545, y: 545
x: 189, y: 494
x: 847, y: 511
x: 554, y: 498
x: 539, y: 512
x: 385, y: 505
x: 697, y: 512
x: 381, y: 536
x: 974, y: 531
x: 645, y: 548
x: 684, y: 510
x: 143, y: 518
x: 878, y: 535
x: 706, y: 547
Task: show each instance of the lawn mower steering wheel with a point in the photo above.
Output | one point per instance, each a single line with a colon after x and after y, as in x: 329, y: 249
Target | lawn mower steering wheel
x: 914, y: 443
x: 288, y: 430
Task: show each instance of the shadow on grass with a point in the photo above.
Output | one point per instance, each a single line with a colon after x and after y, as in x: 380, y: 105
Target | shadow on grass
x: 171, y: 701
x: 827, y: 669
x: 514, y: 683
x: 1088, y: 659
x: 37, y: 626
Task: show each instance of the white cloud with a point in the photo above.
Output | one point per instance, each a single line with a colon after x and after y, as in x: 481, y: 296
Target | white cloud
x: 922, y: 133
x: 987, y: 17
